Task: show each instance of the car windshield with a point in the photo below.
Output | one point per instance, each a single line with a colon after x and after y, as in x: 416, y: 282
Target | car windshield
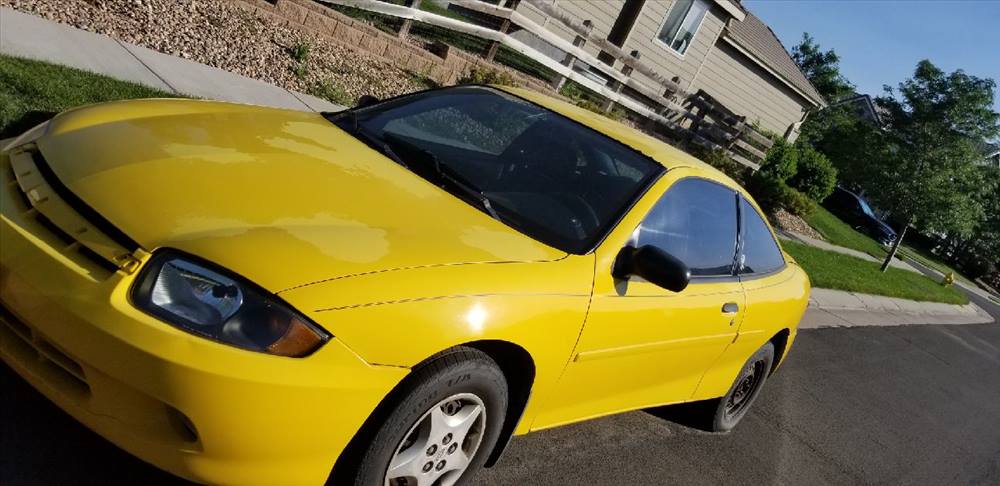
x: 867, y: 209
x: 549, y: 177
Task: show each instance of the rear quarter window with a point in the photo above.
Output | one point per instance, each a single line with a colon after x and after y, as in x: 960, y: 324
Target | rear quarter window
x: 760, y: 251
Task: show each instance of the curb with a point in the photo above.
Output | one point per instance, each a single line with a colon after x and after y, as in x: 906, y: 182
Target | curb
x: 834, y: 308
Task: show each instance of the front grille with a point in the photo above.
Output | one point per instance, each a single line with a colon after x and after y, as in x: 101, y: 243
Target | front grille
x: 21, y: 196
x: 63, y: 236
x: 88, y: 213
x: 69, y: 225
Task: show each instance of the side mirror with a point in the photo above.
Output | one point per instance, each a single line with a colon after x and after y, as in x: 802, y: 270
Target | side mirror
x: 366, y: 100
x: 654, y: 265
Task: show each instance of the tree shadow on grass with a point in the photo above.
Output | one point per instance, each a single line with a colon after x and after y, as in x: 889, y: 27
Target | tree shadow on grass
x: 24, y: 123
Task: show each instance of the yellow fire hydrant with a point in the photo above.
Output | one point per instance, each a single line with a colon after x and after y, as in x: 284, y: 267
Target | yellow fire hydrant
x: 949, y: 278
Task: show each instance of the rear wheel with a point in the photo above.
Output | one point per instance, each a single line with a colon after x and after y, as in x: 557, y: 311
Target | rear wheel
x: 749, y: 381
x: 443, y: 428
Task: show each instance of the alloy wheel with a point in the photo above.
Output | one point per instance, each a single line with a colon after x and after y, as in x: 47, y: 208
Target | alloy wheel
x: 441, y: 445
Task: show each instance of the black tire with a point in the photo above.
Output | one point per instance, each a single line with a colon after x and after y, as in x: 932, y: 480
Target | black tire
x: 455, y: 371
x: 750, y: 380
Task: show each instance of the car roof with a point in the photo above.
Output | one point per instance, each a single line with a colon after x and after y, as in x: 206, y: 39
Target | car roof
x: 662, y: 152
x: 850, y: 193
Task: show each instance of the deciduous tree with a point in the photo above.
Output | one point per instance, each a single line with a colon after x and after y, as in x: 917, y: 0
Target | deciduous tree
x: 927, y: 174
x: 822, y: 69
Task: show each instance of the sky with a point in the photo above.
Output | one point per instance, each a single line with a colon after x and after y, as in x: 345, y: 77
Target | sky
x: 881, y: 41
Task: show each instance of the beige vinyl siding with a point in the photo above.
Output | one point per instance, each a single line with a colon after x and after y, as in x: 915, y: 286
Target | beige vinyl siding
x: 710, y: 63
x: 658, y: 55
x: 561, y: 30
x: 601, y: 13
x: 533, y: 13
x: 747, y: 89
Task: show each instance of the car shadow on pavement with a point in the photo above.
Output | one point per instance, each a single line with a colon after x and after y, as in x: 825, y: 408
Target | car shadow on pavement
x: 694, y: 415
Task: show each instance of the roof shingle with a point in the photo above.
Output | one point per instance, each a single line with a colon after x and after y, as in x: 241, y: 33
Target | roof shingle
x: 757, y: 38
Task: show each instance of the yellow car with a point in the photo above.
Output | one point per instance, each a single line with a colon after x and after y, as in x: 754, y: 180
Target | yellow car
x: 381, y: 296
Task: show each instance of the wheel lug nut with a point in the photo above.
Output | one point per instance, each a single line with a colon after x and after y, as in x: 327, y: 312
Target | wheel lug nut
x: 432, y: 449
x: 428, y: 467
x: 447, y: 439
x: 452, y: 448
x: 440, y: 466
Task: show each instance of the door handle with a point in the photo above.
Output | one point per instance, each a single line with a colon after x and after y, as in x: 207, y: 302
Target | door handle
x: 730, y: 308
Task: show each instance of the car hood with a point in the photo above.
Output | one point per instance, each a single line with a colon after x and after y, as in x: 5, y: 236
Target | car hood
x: 284, y: 198
x: 883, y: 227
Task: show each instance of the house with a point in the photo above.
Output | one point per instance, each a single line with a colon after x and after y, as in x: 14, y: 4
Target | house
x: 865, y: 108
x: 716, y: 47
x: 993, y: 159
x: 708, y: 70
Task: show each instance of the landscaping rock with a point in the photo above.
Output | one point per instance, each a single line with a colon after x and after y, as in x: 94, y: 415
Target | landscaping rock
x: 233, y: 37
x: 790, y: 222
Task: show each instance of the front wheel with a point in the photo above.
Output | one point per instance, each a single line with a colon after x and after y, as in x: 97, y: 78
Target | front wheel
x: 443, y: 427
x: 749, y: 381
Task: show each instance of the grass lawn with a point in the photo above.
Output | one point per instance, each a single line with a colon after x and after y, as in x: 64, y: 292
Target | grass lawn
x: 29, y: 87
x: 385, y: 23
x: 928, y: 259
x: 835, y: 271
x: 442, y: 10
x: 840, y: 233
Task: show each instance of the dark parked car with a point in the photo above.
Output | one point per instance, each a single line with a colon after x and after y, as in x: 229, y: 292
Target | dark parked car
x: 855, y: 211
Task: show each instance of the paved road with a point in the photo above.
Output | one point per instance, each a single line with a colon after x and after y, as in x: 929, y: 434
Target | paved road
x: 988, y: 305
x: 898, y: 405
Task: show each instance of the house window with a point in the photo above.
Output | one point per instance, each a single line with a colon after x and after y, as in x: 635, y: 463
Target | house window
x: 682, y: 23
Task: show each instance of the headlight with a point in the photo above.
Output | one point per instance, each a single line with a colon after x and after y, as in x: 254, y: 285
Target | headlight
x: 211, y: 302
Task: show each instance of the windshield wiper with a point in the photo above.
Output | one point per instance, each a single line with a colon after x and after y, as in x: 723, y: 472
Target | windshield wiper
x: 445, y: 173
x: 371, y: 140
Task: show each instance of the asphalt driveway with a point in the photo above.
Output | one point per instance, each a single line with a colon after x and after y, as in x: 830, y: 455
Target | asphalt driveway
x: 899, y: 405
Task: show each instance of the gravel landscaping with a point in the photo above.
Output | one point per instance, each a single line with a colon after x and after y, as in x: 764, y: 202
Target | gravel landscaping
x: 221, y: 34
x: 790, y: 222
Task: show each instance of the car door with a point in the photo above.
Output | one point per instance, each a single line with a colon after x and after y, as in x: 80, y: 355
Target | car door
x: 774, y: 300
x: 775, y: 291
x: 643, y: 345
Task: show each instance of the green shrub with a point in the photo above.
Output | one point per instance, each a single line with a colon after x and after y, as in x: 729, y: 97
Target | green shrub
x: 773, y: 194
x: 797, y: 203
x: 331, y: 91
x: 617, y: 113
x: 816, y: 176
x: 766, y: 190
x: 479, y: 75
x: 781, y: 162
x: 793, y: 178
x: 721, y: 160
x: 589, y: 100
x: 300, y: 51
x: 300, y: 70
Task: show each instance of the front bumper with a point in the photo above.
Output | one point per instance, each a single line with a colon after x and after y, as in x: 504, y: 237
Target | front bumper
x: 201, y: 410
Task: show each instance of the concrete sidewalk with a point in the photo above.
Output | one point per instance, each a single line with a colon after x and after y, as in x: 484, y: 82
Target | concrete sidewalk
x: 895, y: 263
x: 835, y: 308
x: 31, y: 37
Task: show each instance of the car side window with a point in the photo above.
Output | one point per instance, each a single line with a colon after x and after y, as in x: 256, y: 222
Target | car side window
x: 760, y: 253
x: 695, y: 221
